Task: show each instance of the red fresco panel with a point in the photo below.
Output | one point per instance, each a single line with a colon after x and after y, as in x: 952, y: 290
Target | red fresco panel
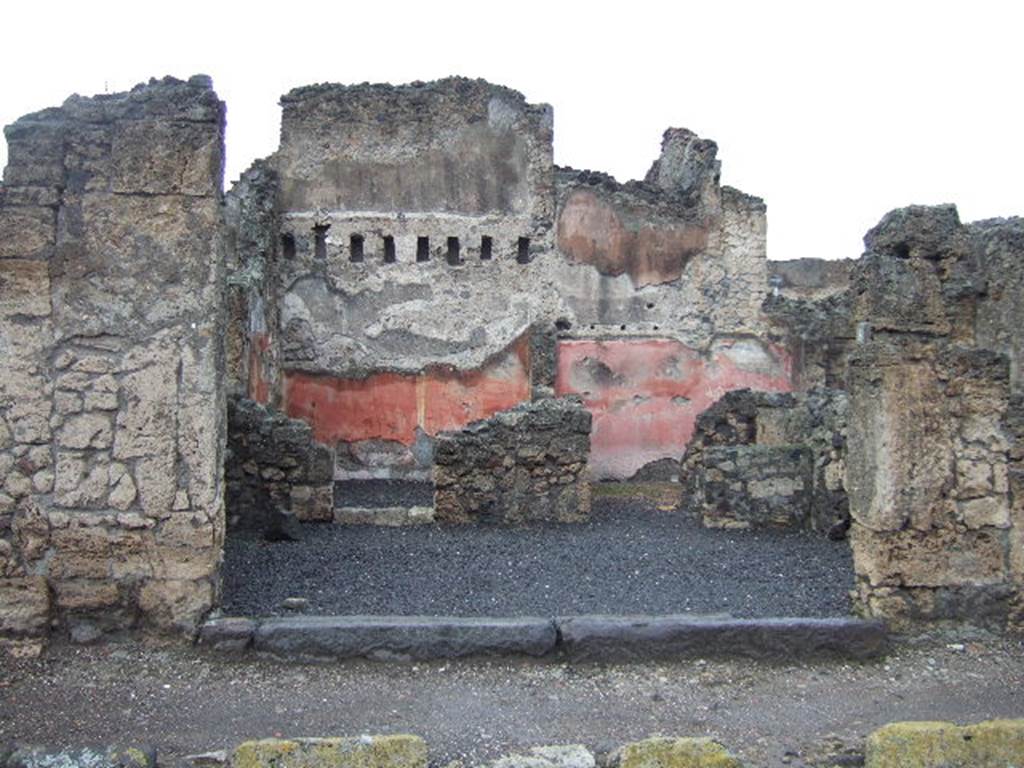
x: 646, y: 394
x: 390, y: 406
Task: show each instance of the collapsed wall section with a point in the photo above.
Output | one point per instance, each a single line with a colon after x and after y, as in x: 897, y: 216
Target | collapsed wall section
x: 762, y: 459
x: 526, y: 464
x: 663, y: 280
x: 111, y: 399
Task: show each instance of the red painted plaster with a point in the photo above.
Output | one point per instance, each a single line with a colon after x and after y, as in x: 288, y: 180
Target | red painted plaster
x: 646, y: 394
x: 390, y: 406
x: 259, y: 384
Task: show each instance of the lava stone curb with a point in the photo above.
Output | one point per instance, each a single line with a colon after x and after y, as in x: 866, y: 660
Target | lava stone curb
x: 621, y: 638
x: 578, y: 638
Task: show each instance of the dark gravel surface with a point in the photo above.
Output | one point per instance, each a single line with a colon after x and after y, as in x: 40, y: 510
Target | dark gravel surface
x: 383, y: 493
x: 630, y: 558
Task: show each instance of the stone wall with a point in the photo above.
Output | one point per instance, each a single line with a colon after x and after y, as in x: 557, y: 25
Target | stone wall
x: 933, y: 439
x: 272, y: 461
x: 760, y: 459
x: 422, y: 239
x: 522, y: 465
x: 111, y: 397
x: 934, y: 520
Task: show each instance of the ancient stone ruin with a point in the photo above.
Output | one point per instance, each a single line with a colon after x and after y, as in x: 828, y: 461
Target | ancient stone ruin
x: 410, y: 289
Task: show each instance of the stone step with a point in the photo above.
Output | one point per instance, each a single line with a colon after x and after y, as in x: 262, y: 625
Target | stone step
x: 577, y: 638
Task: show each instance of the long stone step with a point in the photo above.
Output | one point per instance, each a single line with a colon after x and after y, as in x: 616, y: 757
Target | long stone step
x: 578, y: 638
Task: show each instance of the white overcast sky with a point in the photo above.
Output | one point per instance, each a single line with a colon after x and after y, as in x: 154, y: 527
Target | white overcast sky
x: 832, y: 112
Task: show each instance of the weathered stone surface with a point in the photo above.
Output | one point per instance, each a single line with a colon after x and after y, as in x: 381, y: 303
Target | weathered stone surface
x: 24, y: 606
x: 110, y: 311
x: 992, y: 744
x: 555, y: 756
x: 24, y: 288
x: 273, y: 464
x: 227, y: 634
x: 112, y: 756
x: 412, y: 637
x: 389, y: 516
x: 617, y: 638
x: 27, y: 232
x: 769, y: 459
x: 757, y: 486
x: 397, y: 751
x: 527, y: 463
x: 674, y: 753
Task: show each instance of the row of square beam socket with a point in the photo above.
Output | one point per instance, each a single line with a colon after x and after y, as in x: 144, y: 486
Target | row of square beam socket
x: 357, y: 248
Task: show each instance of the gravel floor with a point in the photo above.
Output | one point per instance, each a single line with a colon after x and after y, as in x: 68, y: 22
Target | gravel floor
x: 630, y: 558
x: 383, y: 493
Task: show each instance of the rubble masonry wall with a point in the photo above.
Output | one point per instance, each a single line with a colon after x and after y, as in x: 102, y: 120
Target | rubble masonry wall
x: 111, y: 396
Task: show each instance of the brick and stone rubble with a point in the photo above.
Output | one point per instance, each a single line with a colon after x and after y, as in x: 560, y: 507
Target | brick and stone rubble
x: 111, y: 395
x: 522, y: 465
x: 273, y: 463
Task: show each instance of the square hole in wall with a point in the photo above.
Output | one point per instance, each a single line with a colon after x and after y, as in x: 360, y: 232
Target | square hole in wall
x: 389, y: 250
x: 454, y: 251
x: 320, y: 240
x: 355, y: 248
x: 288, y: 245
x: 523, y: 250
x: 486, y: 247
x: 422, y: 249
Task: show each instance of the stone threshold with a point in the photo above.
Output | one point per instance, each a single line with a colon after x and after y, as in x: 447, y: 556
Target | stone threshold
x: 575, y: 638
x: 386, y: 516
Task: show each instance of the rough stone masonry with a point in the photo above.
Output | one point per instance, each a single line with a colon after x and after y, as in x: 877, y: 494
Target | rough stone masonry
x: 111, y: 394
x: 412, y: 278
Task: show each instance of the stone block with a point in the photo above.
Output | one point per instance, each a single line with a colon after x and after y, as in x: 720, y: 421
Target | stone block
x: 991, y: 744
x: 111, y: 756
x: 397, y: 751
x: 625, y: 638
x: 163, y: 157
x: 27, y: 232
x: 986, y: 512
x: 86, y: 430
x: 228, y: 634
x: 85, y: 594
x: 404, y: 637
x: 387, y: 516
x: 24, y: 606
x: 674, y: 753
x: 81, y: 480
x: 93, y: 552
x: 24, y: 288
x: 175, y: 605
x: 555, y: 756
x: 943, y: 557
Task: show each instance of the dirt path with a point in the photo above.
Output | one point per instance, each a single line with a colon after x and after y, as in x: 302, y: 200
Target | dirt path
x: 185, y: 701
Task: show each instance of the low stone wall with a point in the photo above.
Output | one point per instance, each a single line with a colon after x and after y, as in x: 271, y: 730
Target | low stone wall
x: 525, y: 464
x: 764, y: 459
x: 274, y: 460
x: 754, y: 486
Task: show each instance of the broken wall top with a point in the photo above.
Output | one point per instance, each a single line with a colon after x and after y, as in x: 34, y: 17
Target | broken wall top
x: 455, y: 146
